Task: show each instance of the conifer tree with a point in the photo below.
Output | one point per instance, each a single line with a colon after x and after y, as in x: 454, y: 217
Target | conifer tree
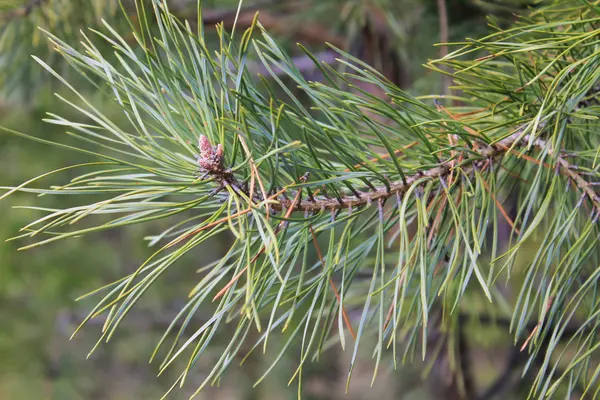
x: 356, y: 220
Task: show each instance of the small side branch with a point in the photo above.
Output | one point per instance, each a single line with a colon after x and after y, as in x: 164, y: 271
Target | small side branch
x: 581, y: 183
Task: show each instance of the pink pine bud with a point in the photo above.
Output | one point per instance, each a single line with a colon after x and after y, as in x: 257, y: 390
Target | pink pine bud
x: 206, y: 149
x: 210, y: 157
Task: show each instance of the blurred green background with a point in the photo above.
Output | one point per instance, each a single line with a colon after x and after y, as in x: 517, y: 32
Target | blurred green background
x: 38, y: 287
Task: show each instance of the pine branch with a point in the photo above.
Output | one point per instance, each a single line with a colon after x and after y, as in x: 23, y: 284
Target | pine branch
x: 382, y: 193
x: 264, y: 140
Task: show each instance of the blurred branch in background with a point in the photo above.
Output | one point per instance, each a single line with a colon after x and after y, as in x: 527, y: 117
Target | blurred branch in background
x: 20, y: 12
x: 368, y: 30
x: 282, y: 22
x: 444, y: 38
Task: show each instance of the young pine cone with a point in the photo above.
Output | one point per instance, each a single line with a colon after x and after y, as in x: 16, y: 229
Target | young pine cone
x: 210, y: 158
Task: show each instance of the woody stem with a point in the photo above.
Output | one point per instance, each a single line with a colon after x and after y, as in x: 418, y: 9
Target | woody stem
x: 399, y: 187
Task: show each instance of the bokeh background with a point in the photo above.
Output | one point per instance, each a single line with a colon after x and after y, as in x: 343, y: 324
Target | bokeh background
x: 38, y: 287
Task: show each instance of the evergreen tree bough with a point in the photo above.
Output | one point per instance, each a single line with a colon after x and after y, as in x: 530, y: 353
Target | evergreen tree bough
x: 401, y: 190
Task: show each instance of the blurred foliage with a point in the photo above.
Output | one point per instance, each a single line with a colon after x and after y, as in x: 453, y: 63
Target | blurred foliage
x: 22, y: 26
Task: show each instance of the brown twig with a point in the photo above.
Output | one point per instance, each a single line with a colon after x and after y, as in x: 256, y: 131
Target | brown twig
x: 332, y: 284
x: 579, y: 181
x: 216, y: 16
x: 500, y: 207
x: 302, y: 32
x: 382, y: 193
x: 444, y: 38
